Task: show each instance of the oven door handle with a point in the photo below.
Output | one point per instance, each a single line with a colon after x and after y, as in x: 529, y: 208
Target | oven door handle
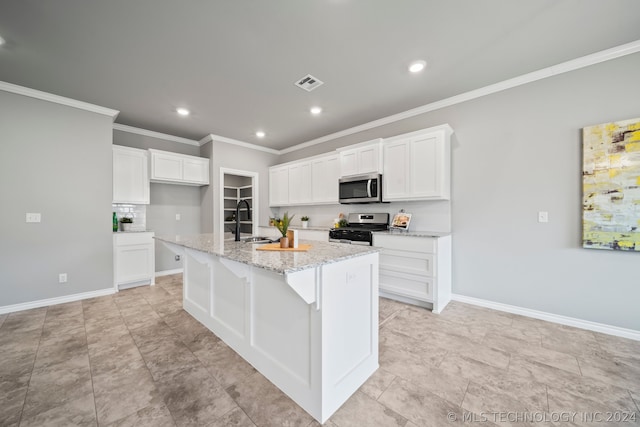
x: 369, y: 188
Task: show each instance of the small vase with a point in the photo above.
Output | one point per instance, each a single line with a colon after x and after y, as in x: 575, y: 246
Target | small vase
x: 305, y: 224
x: 284, y: 242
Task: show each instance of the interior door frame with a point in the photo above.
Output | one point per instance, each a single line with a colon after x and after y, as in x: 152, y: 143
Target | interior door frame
x: 255, y: 205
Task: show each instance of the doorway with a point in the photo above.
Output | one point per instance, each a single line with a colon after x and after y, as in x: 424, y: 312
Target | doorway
x: 237, y: 185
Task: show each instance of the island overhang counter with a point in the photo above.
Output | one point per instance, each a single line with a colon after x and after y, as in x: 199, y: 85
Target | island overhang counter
x: 308, y: 321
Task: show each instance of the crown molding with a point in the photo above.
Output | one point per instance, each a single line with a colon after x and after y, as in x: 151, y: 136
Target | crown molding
x: 211, y: 137
x: 564, y: 67
x: 154, y: 134
x: 33, y: 93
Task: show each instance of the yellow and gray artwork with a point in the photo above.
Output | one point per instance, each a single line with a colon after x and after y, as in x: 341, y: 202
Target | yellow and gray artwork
x: 611, y: 186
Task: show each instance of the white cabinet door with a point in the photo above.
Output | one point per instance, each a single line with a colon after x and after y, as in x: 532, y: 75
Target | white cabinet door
x: 369, y: 159
x: 174, y: 168
x: 300, y: 183
x: 417, y: 166
x: 349, y: 162
x: 196, y: 170
x: 364, y: 158
x: 130, y: 176
x: 166, y: 167
x: 426, y: 165
x: 395, y: 176
x: 325, y: 172
x: 134, y: 259
x: 279, y: 186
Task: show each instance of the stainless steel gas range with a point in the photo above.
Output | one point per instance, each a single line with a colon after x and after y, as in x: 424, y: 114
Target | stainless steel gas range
x: 360, y: 228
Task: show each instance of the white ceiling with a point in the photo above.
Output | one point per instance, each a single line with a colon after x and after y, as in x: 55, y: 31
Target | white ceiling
x: 233, y: 63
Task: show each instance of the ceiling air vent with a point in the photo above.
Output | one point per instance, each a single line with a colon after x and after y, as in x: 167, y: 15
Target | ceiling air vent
x: 308, y: 83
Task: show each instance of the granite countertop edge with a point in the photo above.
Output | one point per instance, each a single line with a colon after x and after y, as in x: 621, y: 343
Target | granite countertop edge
x: 412, y: 233
x: 276, y: 261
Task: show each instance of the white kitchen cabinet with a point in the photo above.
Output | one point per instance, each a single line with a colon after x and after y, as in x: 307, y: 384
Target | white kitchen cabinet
x: 174, y: 168
x: 361, y: 158
x: 417, y: 165
x: 310, y: 181
x: 279, y: 185
x: 325, y: 172
x: 130, y: 176
x: 415, y: 269
x: 300, y: 183
x: 133, y: 259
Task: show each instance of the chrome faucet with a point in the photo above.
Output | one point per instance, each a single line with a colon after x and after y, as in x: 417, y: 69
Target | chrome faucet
x: 238, y: 217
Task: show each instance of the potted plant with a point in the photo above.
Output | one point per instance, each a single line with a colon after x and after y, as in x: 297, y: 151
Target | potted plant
x: 283, y: 226
x: 125, y: 223
x: 305, y: 221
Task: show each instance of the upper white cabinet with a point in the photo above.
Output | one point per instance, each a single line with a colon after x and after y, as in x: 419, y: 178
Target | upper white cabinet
x: 325, y: 172
x: 279, y: 185
x: 173, y: 168
x: 130, y: 176
x: 417, y: 165
x: 300, y: 183
x: 310, y: 181
x: 361, y: 158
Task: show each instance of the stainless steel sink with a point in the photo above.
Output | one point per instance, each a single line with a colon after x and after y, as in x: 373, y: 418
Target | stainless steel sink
x: 256, y: 239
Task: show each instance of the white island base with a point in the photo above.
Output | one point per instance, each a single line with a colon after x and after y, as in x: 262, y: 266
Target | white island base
x: 313, y: 332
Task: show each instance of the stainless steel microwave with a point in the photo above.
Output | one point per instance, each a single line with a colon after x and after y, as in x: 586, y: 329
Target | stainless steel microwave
x: 361, y: 188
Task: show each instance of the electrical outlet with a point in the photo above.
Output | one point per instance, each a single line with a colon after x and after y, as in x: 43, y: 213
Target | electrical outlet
x: 33, y: 217
x: 543, y: 216
x: 62, y: 278
x: 177, y: 217
x: 177, y: 257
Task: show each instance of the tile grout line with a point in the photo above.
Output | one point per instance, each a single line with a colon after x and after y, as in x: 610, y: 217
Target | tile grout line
x: 33, y: 367
x: 93, y: 390
x: 155, y: 385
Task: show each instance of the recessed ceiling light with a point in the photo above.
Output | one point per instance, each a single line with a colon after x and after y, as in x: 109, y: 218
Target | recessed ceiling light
x: 260, y: 134
x: 417, y: 66
x: 315, y: 110
x: 183, y: 111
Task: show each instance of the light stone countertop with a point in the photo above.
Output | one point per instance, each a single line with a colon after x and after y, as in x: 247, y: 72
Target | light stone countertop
x: 280, y: 262
x: 412, y: 233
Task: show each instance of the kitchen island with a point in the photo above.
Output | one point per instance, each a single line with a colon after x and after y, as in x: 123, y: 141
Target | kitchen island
x: 308, y: 321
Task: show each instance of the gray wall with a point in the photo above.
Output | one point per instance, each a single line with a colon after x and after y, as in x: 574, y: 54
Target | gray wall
x: 144, y: 142
x: 55, y: 160
x: 518, y: 152
x: 224, y: 155
x: 167, y: 200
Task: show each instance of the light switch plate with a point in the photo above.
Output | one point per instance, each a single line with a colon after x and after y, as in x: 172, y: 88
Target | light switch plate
x: 33, y: 217
x: 177, y: 217
x: 543, y: 216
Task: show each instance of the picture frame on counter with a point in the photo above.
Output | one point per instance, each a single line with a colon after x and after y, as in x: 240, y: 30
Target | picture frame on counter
x: 401, y: 221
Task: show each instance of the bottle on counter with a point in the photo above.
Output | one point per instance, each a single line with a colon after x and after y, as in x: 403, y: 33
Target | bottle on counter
x: 115, y: 222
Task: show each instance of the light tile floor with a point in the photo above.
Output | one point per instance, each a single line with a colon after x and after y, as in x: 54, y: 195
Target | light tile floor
x: 136, y: 358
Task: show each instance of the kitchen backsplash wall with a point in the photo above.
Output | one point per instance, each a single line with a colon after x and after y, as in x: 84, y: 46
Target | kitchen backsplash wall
x: 426, y: 216
x: 137, y: 212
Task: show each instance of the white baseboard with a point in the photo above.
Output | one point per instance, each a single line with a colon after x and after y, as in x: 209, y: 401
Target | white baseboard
x: 57, y: 300
x: 168, y: 272
x: 550, y: 317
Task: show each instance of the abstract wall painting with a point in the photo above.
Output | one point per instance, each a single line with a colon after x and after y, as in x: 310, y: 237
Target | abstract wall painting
x: 611, y: 186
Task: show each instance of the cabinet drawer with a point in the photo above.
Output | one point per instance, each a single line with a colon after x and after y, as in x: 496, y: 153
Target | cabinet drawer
x: 405, y: 243
x: 409, y: 262
x: 123, y: 239
x: 407, y: 285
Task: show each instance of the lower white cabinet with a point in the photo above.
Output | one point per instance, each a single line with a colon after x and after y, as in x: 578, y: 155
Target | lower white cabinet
x: 133, y: 259
x: 415, y: 269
